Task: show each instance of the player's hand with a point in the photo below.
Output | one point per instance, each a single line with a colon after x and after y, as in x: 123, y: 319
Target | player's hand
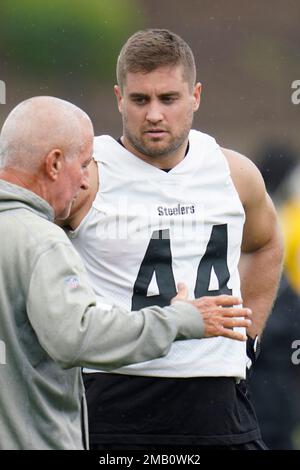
x: 219, y: 315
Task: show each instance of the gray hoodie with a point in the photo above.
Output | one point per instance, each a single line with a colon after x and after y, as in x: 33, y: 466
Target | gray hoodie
x: 50, y: 326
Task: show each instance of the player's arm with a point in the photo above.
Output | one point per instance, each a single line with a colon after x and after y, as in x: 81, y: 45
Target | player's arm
x: 262, y: 247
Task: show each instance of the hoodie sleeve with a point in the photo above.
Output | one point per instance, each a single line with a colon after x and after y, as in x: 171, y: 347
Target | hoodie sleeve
x: 74, y: 331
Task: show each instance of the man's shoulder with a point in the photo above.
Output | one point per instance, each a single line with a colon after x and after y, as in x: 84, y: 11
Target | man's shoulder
x: 245, y: 175
x: 104, y: 146
x: 238, y: 159
x: 199, y: 136
x: 242, y: 167
x: 41, y: 231
x: 32, y: 236
x: 103, y: 138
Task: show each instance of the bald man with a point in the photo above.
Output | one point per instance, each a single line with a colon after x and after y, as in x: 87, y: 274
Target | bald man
x: 50, y: 323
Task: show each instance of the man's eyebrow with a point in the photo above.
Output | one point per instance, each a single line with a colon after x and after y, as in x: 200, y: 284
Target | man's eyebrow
x: 169, y: 93
x: 138, y: 95
x: 161, y: 95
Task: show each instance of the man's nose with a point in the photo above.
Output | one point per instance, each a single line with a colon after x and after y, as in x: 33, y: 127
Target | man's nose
x: 154, y: 112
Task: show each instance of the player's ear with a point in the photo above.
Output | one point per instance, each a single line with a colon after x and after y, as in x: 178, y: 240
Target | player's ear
x: 197, y: 96
x: 119, y: 96
x: 54, y: 163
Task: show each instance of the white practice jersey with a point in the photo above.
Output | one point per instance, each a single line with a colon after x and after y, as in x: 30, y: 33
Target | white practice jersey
x: 149, y: 229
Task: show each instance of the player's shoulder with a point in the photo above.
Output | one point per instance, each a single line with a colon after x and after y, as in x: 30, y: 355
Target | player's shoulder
x: 239, y: 162
x: 242, y: 167
x: 105, y: 146
x: 103, y: 140
x: 245, y: 175
x: 196, y: 137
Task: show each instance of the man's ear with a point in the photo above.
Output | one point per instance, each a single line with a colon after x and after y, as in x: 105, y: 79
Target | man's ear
x: 54, y: 163
x: 197, y: 95
x: 119, y: 96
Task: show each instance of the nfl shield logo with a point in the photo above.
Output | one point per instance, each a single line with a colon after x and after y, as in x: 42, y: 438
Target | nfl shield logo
x: 72, y: 282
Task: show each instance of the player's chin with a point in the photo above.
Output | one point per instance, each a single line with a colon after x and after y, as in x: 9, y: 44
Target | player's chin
x: 163, y: 138
x: 156, y: 145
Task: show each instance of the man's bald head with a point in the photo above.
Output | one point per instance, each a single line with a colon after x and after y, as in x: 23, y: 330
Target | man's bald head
x: 37, y: 126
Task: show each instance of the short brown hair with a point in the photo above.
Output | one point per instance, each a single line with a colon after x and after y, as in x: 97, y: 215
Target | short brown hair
x: 149, y: 49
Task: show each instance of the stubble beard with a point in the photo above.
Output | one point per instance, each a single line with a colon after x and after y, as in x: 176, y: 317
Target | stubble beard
x: 153, y: 150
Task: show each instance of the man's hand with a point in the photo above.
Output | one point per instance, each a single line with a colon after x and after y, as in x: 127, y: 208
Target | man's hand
x: 219, y: 315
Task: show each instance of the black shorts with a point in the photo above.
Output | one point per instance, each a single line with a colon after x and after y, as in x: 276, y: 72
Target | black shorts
x: 200, y: 411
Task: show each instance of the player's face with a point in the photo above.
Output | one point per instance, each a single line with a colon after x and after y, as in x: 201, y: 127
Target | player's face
x: 74, y: 177
x: 157, y: 110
